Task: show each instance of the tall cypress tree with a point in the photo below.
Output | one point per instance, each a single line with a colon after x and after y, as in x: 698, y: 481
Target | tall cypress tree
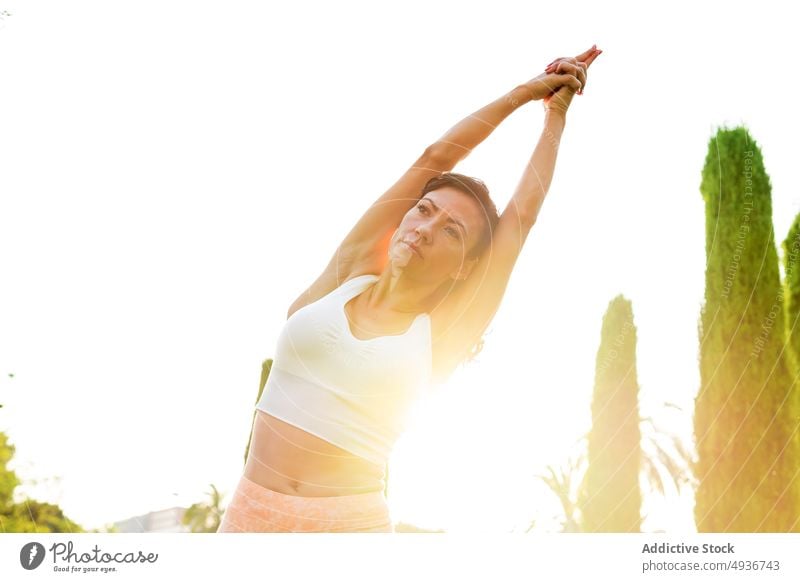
x: 791, y: 291
x: 611, y: 498
x: 744, y: 423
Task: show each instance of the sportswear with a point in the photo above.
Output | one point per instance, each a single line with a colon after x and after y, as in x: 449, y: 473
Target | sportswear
x: 356, y: 394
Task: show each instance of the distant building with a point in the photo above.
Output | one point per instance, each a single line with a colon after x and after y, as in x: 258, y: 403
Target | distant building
x: 162, y: 521
x: 169, y: 520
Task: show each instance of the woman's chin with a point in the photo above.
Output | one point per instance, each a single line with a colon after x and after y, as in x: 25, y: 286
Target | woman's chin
x: 400, y: 256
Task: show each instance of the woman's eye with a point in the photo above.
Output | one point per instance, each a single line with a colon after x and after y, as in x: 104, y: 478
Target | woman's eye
x: 449, y: 230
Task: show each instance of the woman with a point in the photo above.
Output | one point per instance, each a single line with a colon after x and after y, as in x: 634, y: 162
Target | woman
x: 405, y: 298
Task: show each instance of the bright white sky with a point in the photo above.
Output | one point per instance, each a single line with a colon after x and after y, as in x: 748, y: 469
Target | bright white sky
x: 175, y: 174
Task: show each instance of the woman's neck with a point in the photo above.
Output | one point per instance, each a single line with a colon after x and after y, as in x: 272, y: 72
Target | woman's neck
x: 395, y: 292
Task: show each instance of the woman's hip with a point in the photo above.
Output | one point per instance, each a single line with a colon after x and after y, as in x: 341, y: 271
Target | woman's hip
x: 254, y: 508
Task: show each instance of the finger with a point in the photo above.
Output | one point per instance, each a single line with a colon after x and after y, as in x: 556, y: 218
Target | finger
x: 586, y: 54
x: 589, y: 60
x: 581, y: 70
x: 557, y: 82
x: 564, y: 60
x: 549, y: 68
x: 578, y: 70
x: 553, y: 82
x: 575, y: 83
x: 571, y: 81
x: 554, y: 69
x: 562, y: 98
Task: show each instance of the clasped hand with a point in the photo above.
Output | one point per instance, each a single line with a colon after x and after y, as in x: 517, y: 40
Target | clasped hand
x: 562, y: 78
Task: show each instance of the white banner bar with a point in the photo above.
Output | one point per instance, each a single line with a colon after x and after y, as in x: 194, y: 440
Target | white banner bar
x: 400, y: 557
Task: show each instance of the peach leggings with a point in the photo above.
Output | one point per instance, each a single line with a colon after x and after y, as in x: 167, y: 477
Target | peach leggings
x: 254, y: 508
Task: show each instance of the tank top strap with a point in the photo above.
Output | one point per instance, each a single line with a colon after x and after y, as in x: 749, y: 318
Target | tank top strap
x: 356, y: 285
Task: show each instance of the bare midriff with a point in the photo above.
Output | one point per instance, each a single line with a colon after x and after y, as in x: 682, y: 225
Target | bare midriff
x: 287, y: 459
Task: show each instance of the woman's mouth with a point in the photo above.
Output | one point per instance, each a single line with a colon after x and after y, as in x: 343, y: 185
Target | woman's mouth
x: 413, y: 248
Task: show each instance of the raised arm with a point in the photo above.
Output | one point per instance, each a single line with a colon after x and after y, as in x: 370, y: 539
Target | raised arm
x: 535, y: 182
x: 474, y: 302
x: 364, y: 247
x: 472, y: 305
x: 459, y: 141
x: 383, y: 216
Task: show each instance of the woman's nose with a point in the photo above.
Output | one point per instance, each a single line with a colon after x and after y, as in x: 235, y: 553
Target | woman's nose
x: 423, y: 231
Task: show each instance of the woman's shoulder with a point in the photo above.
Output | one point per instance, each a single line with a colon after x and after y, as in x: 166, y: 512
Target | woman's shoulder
x: 330, y: 281
x: 359, y: 276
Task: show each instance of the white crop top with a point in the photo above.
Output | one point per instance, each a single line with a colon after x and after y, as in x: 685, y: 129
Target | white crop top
x: 354, y: 393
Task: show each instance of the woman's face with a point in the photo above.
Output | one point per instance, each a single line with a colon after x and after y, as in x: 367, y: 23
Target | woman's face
x: 444, y: 226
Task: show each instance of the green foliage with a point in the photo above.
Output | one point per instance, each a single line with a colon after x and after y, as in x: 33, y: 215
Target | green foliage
x: 611, y: 498
x: 29, y: 516
x: 791, y: 290
x: 745, y: 409
x: 266, y: 367
x: 567, y: 483
x: 8, y: 478
x: 663, y: 455
x: 204, y: 517
x: 32, y: 516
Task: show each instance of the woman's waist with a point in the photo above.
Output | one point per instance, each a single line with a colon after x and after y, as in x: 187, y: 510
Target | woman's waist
x: 327, y: 485
x: 288, y: 459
